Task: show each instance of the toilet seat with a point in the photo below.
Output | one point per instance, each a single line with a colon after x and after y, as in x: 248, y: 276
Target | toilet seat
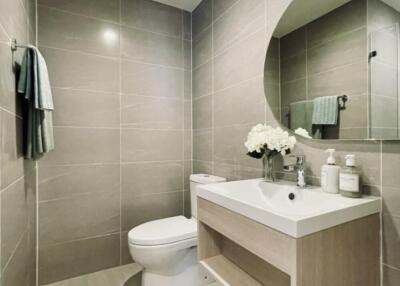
x: 164, y: 231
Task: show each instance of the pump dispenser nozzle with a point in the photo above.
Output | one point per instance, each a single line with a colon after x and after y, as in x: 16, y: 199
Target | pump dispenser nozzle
x: 331, y: 159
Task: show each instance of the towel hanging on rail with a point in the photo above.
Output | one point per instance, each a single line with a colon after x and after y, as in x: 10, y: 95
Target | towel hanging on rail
x: 38, y: 105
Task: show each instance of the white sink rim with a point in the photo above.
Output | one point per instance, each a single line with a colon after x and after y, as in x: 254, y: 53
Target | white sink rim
x: 296, y: 227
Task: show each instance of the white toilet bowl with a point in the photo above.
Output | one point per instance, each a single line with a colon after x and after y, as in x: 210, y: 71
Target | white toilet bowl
x: 166, y: 248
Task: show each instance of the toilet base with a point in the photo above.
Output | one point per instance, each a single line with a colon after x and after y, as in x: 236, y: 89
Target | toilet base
x: 184, y: 274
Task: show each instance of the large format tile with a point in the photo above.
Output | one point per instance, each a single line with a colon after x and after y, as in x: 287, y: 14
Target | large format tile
x: 79, y: 33
x: 202, y: 112
x: 102, y: 9
x: 202, y: 80
x: 202, y: 145
x: 391, y: 276
x: 151, y: 145
x: 148, y: 47
x: 65, y: 260
x: 152, y: 16
x: 294, y: 67
x: 14, y: 218
x: 3, y: 35
x: 352, y: 16
x: 8, y: 98
x: 17, y: 271
x: 201, y: 17
x: 390, y: 164
x: 58, y: 182
x: 391, y: 240
x: 83, y: 145
x: 241, y: 20
x: 151, y: 178
x: 344, y: 50
x: 221, y: 6
x: 244, y: 103
x: 69, y: 69
x: 12, y: 161
x: 293, y: 43
x: 151, y: 112
x: 67, y: 219
x: 151, y: 80
x: 241, y: 61
x: 13, y: 19
x: 187, y: 25
x: 349, y: 79
x: 137, y: 210
x: 202, y: 47
x: 85, y: 108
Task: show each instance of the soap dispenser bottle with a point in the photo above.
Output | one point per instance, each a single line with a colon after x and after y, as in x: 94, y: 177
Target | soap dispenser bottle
x: 330, y: 174
x: 350, y: 179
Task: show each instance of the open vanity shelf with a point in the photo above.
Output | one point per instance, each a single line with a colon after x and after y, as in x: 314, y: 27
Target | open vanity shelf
x: 236, y: 250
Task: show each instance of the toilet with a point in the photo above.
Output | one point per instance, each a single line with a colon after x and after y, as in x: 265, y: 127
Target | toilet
x: 167, y: 248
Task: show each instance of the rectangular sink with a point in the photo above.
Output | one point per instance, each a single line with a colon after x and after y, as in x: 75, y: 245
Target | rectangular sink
x: 306, y: 211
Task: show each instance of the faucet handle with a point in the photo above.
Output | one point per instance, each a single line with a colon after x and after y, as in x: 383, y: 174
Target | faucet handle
x: 301, y: 159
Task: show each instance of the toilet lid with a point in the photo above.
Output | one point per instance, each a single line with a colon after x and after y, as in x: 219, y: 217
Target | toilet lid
x: 163, y: 231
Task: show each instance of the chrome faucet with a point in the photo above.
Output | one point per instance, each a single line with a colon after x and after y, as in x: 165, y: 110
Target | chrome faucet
x: 298, y: 165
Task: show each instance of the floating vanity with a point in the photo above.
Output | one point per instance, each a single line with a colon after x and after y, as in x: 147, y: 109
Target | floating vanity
x: 257, y: 233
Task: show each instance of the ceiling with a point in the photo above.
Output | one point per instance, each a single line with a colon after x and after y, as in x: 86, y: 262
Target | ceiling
x: 393, y: 3
x: 188, y: 5
x: 302, y: 12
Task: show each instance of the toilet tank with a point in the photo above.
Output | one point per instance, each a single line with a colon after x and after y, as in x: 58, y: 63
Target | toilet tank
x: 200, y: 179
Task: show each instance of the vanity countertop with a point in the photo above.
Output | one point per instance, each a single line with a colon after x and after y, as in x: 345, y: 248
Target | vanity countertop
x: 286, y: 208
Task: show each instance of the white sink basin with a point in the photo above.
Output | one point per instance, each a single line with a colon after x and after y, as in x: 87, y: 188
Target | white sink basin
x: 310, y: 211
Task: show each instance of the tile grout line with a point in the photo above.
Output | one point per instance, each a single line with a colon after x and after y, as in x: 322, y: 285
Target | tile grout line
x: 37, y: 164
x: 212, y: 90
x: 120, y: 133
x: 183, y: 55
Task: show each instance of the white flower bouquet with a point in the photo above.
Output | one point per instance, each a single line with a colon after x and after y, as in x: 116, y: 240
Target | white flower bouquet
x: 266, y: 142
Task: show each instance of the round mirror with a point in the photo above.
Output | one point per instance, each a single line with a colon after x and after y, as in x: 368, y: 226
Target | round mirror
x: 332, y: 69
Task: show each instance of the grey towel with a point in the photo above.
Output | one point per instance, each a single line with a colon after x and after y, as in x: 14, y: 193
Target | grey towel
x: 38, y: 124
x: 326, y: 110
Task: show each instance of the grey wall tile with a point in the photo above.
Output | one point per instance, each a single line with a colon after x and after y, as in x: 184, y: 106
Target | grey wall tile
x: 152, y: 16
x: 59, y: 222
x: 58, y: 182
x: 390, y: 163
x: 241, y: 104
x: 17, y: 271
x: 202, y: 112
x: 187, y: 122
x: 229, y: 146
x: 344, y: 80
x: 391, y: 276
x: 201, y: 17
x: 85, y: 108
x: 352, y: 16
x: 153, y: 48
x: 74, y: 32
x: 102, y: 9
x: 69, y: 70
x: 202, y: 47
x: 125, y: 254
x: 151, y: 112
x: 391, y: 240
x: 221, y: 6
x: 140, y: 179
x: 83, y: 145
x: 202, y: 80
x: 293, y: 91
x: 151, y: 80
x: 246, y: 65
x: 187, y: 89
x: 293, y: 43
x: 187, y: 145
x: 3, y: 35
x: 14, y: 219
x: 151, y: 145
x: 202, y: 145
x: 137, y: 210
x: 13, y: 19
x: 62, y: 261
x: 8, y: 99
x: 12, y: 161
x: 203, y: 167
x: 187, y: 49
x: 244, y: 18
x: 294, y: 67
x: 349, y: 48
x: 187, y: 25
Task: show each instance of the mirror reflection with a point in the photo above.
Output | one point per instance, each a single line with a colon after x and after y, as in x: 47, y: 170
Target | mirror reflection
x: 332, y: 69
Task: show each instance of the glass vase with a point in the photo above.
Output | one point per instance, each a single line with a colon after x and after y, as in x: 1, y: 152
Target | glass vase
x: 269, y: 172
